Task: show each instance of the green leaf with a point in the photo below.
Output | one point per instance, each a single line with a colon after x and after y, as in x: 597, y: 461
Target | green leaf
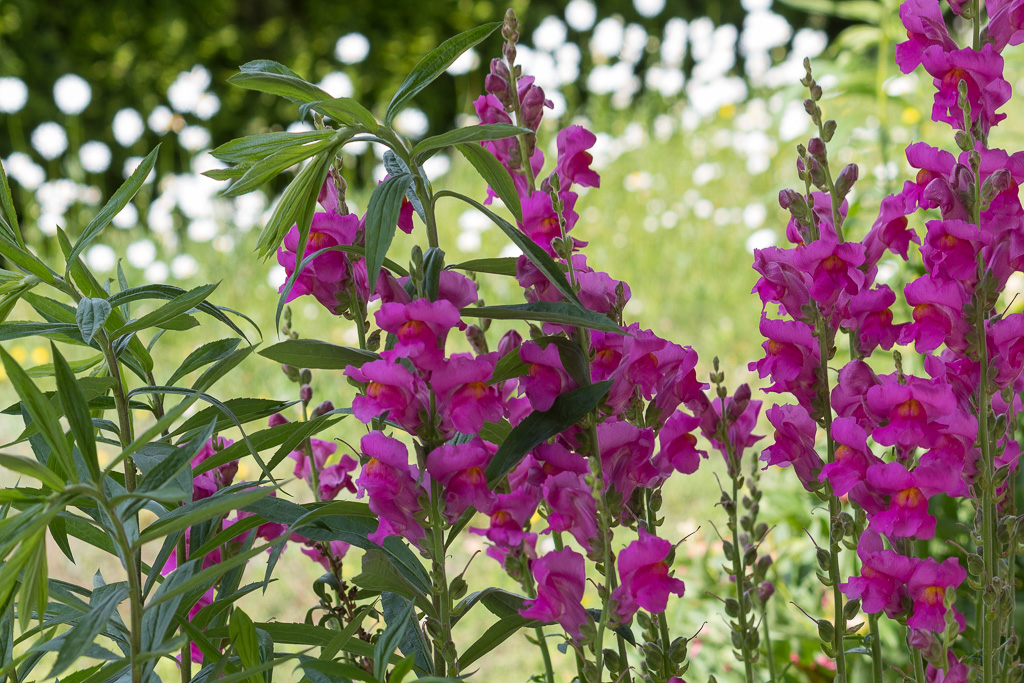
x: 285, y: 633
x: 170, y: 292
x: 388, y: 641
x: 272, y: 166
x: 77, y: 366
x: 76, y: 409
x: 496, y: 176
x: 221, y: 368
x: 382, y: 221
x: 113, y: 206
x: 509, y: 366
x: 559, y: 312
x: 243, y: 636
x: 90, y: 316
x: 468, y: 134
x: 25, y: 260
x: 41, y: 411
x: 8, y: 216
x: 334, y: 672
x: 504, y: 265
x: 435, y: 64
x: 199, y: 511
x: 567, y: 410
x: 32, y: 468
x: 861, y: 11
x: 255, y: 147
x: 172, y: 309
x: 316, y: 355
x: 414, y: 644
x: 380, y: 575
x: 289, y: 86
x: 76, y: 641
x: 238, y: 410
x: 204, y: 355
x: 492, y: 638
x: 552, y: 270
x: 501, y: 603
x: 34, y: 586
x: 347, y: 112
x: 297, y: 205
x: 59, y: 331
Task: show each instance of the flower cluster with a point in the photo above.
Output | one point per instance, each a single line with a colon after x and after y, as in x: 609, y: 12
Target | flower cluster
x: 941, y: 434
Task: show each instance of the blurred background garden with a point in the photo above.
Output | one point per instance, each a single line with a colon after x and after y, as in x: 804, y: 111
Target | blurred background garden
x: 697, y: 109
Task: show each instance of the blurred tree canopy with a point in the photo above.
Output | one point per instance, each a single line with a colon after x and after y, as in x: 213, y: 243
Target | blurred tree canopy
x: 130, y: 52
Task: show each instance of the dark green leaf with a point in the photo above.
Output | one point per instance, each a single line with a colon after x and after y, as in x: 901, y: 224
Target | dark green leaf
x: 243, y: 637
x: 296, y: 206
x: 221, y: 368
x: 8, y: 216
x: 505, y: 265
x: 289, y: 86
x: 382, y: 221
x: 172, y: 309
x: 559, y: 312
x: 31, y: 468
x: 553, y: 271
x: 389, y: 640
x: 204, y: 355
x: 25, y: 260
x: 435, y: 64
x: 76, y: 641
x: 468, y: 134
x: 509, y: 367
x: 42, y: 413
x: 200, y: 511
x: 123, y: 195
x: 316, y: 355
x: 76, y: 409
x: 496, y: 176
x: 413, y: 645
x: 567, y: 410
x: 255, y: 147
x: 380, y: 575
x: 347, y: 112
x: 492, y: 638
x: 270, y: 167
x: 90, y: 316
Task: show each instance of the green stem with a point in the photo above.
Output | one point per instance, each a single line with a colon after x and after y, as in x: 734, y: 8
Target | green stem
x: 769, y: 652
x: 739, y: 567
x: 428, y: 211
x: 915, y: 655
x: 442, y: 597
x: 516, y: 108
x: 186, y: 649
x: 604, y: 528
x: 876, y: 649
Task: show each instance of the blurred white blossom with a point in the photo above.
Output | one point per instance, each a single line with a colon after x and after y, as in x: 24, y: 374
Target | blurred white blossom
x: 25, y: 172
x: 72, y: 94
x: 352, y: 48
x: 412, y: 122
x: 184, y: 266
x: 649, y: 8
x: 141, y: 253
x: 465, y: 63
x: 94, y: 156
x: 128, y: 127
x: 337, y: 84
x: 13, y: 95
x: 100, y: 258
x: 549, y: 34
x: 580, y: 14
x: 188, y: 89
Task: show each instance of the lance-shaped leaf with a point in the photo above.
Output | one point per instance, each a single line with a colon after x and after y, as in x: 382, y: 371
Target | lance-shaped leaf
x: 316, y: 355
x: 41, y: 411
x: 382, y: 221
x: 567, y: 410
x: 434, y: 64
x: 502, y: 265
x: 297, y: 205
x: 496, y: 175
x: 172, y: 309
x: 559, y: 312
x: 8, y: 216
x: 493, y: 637
x: 467, y: 134
x: 90, y: 316
x: 552, y: 270
x: 255, y: 147
x: 204, y: 355
x: 347, y: 112
x: 389, y: 640
x: 82, y: 635
x: 270, y: 167
x: 76, y: 409
x: 287, y: 85
x: 113, y: 207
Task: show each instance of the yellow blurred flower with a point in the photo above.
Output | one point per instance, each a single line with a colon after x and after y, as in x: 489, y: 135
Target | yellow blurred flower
x: 40, y: 355
x: 727, y: 111
x: 910, y: 116
x: 19, y: 353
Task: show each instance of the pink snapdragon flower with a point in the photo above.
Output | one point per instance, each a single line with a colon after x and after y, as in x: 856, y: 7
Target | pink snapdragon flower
x: 547, y: 378
x: 573, y: 508
x: 869, y: 313
x: 626, y: 452
x: 781, y: 282
x: 573, y: 159
x: 314, y: 552
x: 421, y: 327
x: 1005, y: 25
x: 465, y: 398
x: 561, y: 580
x: 391, y: 389
x: 679, y: 450
x: 793, y: 444
x: 883, y: 577
x: 987, y: 90
x: 328, y: 276
x: 938, y: 314
x: 792, y: 356
x: 912, y: 411
x: 834, y: 267
x: 338, y: 477
x: 390, y: 482
x: 460, y: 469
x: 645, y: 580
x: 540, y: 221
x: 211, y: 481
x: 852, y: 457
x: 891, y: 230
x: 907, y: 513
x: 927, y: 587
x: 510, y: 515
x: 925, y: 27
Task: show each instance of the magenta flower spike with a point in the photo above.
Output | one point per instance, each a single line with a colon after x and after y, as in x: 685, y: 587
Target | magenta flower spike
x: 561, y: 580
x: 927, y: 587
x: 645, y: 580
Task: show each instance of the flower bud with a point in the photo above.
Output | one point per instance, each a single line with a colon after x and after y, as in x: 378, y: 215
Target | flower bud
x: 277, y: 419
x: 477, y: 340
x: 305, y: 376
x: 306, y: 393
x: 765, y: 591
x: 846, y: 178
x: 291, y: 372
x: 323, y: 409
x: 816, y: 147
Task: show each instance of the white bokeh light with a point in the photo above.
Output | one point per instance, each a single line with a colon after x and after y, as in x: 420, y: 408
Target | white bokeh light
x: 184, y: 266
x: 549, y: 34
x: 188, y: 89
x: 465, y: 63
x: 580, y: 15
x: 13, y: 95
x: 649, y: 8
x: 160, y: 120
x: 127, y: 218
x: 100, y: 258
x: 94, y: 156
x: 194, y: 138
x: 50, y: 140
x: 412, y: 122
x: 25, y: 172
x: 337, y: 84
x: 141, y: 253
x: 72, y: 94
x: 352, y: 48
x: 128, y: 127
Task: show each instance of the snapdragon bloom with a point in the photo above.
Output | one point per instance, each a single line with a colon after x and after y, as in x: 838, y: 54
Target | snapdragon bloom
x: 794, y: 443
x: 510, y: 515
x: 912, y: 411
x: 561, y: 580
x: 907, y: 513
x: 925, y: 27
x: 938, y: 314
x: 791, y: 359
x: 573, y: 508
x: 540, y: 220
x: 679, y: 450
x: 883, y: 577
x: 391, y: 389
x: 211, y: 481
x: 626, y: 456
x: 421, y: 327
x: 645, y: 580
x: 390, y: 482
x: 987, y: 90
x: 460, y: 469
x: 329, y: 275
x: 465, y: 397
x: 573, y: 158
x: 546, y: 379
x: 852, y: 457
x: 927, y: 587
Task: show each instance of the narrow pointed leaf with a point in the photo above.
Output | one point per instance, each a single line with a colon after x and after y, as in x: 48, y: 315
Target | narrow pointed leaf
x: 316, y: 355
x: 496, y: 176
x: 382, y: 221
x: 76, y: 410
x: 558, y: 312
x: 567, y: 410
x: 255, y: 147
x: 434, y: 64
x: 113, y: 206
x: 480, y: 133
